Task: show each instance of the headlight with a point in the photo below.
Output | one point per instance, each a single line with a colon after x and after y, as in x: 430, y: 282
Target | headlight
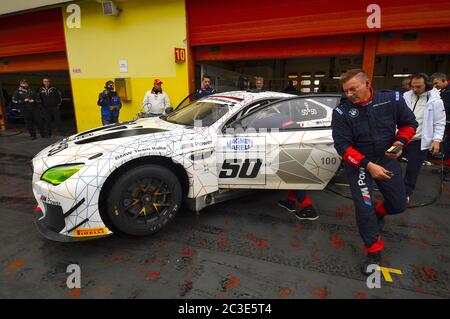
x: 57, y: 175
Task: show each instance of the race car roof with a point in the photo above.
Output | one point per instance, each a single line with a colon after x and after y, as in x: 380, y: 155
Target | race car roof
x: 244, y: 95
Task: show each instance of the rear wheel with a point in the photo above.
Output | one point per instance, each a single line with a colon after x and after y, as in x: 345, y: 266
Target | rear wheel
x: 144, y: 199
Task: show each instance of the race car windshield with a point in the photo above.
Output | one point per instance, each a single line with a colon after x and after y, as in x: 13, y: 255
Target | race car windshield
x: 199, y: 113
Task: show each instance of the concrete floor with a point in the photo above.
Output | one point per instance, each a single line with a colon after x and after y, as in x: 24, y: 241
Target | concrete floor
x: 247, y: 248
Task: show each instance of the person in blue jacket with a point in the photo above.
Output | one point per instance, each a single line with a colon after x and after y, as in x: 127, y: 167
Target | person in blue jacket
x: 370, y: 129
x: 110, y: 104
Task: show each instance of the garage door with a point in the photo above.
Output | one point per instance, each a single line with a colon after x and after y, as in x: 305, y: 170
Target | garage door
x: 218, y: 22
x: 32, y: 41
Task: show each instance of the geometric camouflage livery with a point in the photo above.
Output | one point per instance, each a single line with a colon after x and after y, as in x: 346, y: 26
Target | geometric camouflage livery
x: 301, y: 156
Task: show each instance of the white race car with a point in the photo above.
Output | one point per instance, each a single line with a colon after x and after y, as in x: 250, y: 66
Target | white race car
x: 132, y: 177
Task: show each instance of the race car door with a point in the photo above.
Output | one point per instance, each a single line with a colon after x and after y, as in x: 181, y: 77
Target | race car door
x: 284, y: 145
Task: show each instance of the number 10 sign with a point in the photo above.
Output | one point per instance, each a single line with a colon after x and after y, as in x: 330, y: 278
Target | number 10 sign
x: 180, y: 55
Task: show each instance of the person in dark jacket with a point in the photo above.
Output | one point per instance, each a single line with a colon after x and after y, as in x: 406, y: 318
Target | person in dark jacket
x: 206, y: 88
x: 26, y: 100
x: 440, y: 82
x: 364, y: 129
x: 110, y: 103
x: 259, y: 85
x: 50, y: 99
x: 292, y: 87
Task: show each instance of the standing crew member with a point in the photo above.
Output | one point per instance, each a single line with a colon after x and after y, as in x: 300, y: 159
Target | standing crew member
x: 156, y: 101
x: 50, y: 99
x: 206, y: 88
x: 440, y: 82
x: 110, y: 103
x: 364, y: 133
x: 428, y: 108
x: 259, y: 85
x: 26, y: 99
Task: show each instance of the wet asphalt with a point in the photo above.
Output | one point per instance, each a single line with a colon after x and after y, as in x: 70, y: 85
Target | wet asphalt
x: 245, y: 248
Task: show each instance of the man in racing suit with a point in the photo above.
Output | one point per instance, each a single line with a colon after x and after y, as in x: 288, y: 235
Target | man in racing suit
x: 364, y: 131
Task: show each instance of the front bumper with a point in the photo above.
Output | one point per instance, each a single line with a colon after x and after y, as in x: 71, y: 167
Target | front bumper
x: 46, y: 226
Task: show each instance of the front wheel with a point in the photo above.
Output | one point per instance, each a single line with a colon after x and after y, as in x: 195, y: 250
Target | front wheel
x: 144, y: 199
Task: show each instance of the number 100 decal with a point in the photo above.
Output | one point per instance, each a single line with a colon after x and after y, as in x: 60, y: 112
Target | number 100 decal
x: 232, y: 168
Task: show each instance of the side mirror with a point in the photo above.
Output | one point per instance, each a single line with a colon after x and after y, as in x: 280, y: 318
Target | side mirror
x: 168, y: 110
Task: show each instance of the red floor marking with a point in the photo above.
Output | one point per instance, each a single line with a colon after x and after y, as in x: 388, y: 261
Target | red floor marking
x: 232, y: 282
x: 17, y: 263
x: 430, y: 272
x: 186, y: 252
x: 153, y: 275
x: 223, y: 295
x: 429, y: 230
x: 337, y: 242
x: 317, y: 292
x: 400, y: 220
x: 299, y: 229
x: 160, y: 244
x: 75, y: 293
x: 344, y: 210
x: 419, y: 289
x: 201, y: 243
x: 186, y: 287
x: 285, y: 292
x: 360, y: 295
x: 296, y: 245
x: 223, y: 240
x: 315, y: 256
x: 261, y: 243
x: 420, y: 241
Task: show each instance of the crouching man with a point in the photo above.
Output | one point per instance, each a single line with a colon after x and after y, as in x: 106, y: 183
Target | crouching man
x: 364, y: 132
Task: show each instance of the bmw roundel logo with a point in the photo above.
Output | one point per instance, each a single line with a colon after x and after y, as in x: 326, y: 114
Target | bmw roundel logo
x: 353, y: 112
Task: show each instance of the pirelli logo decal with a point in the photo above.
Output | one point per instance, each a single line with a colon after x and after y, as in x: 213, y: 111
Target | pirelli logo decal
x: 89, y: 232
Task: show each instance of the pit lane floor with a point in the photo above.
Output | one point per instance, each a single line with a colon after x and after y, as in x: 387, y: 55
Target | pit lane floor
x: 246, y: 248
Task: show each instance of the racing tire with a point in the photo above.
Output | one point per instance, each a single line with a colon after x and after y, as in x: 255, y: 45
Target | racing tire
x: 143, y: 200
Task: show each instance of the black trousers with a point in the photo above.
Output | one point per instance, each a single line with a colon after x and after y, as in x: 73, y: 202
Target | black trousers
x: 446, y: 143
x: 415, y: 158
x: 32, y: 117
x: 52, y: 114
x: 366, y: 211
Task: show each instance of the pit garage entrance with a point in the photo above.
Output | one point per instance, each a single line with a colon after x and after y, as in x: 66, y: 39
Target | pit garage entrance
x: 33, y: 47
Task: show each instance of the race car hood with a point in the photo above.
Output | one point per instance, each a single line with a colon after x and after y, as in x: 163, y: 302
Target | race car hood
x: 90, y: 145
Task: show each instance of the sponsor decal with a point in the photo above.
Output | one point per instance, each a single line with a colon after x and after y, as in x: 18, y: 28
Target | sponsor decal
x: 353, y: 112
x: 378, y: 104
x: 204, y: 143
x: 240, y: 144
x: 88, y: 232
x: 50, y: 201
x: 339, y: 110
x: 363, y: 187
x: 118, y: 157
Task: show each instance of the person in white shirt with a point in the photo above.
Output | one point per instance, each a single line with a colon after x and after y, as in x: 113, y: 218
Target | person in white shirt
x: 428, y: 108
x: 155, y: 101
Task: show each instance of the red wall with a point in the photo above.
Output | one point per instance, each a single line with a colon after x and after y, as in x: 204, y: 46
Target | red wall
x: 317, y: 46
x: 232, y: 21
